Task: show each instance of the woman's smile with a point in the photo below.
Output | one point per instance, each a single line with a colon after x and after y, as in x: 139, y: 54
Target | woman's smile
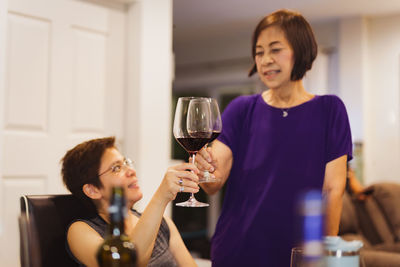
x: 134, y: 185
x: 270, y: 74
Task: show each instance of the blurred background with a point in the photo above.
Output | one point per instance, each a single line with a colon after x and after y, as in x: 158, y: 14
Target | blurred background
x: 71, y: 70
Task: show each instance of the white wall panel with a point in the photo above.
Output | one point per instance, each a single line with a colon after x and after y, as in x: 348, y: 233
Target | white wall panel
x: 148, y: 98
x: 27, y: 80
x: 352, y: 72
x: 25, y: 155
x: 316, y: 79
x: 382, y: 107
x: 3, y: 22
x: 115, y: 82
x: 60, y: 61
x: 89, y: 16
x: 12, y: 190
x: 89, y: 80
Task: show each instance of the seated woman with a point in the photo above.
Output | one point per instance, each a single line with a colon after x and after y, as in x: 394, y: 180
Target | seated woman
x: 89, y: 171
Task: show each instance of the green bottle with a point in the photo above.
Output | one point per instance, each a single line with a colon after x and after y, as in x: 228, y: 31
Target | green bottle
x: 117, y: 250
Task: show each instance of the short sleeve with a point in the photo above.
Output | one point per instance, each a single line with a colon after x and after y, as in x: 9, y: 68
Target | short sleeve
x: 232, y: 121
x: 339, y: 141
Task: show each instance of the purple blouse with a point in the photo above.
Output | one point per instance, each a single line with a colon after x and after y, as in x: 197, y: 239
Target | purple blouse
x: 274, y: 159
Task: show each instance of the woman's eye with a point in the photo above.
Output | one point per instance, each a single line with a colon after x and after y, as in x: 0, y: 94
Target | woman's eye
x: 275, y: 50
x: 259, y: 53
x: 116, y: 168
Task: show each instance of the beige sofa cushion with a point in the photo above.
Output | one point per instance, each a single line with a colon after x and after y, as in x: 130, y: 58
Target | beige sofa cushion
x: 387, y: 196
x: 378, y: 220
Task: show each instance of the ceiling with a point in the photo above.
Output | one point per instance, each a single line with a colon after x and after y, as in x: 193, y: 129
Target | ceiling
x: 208, y: 21
x: 202, y: 14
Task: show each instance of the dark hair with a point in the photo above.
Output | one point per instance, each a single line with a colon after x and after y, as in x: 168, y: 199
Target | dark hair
x: 80, y: 166
x: 299, y: 34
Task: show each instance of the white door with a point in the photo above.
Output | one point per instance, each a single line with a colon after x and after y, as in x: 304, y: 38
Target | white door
x: 63, y: 83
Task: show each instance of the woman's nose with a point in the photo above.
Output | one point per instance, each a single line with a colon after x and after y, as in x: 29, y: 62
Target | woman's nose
x: 267, y: 59
x: 130, y: 171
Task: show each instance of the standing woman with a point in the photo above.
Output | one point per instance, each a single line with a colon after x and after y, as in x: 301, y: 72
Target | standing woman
x: 273, y: 146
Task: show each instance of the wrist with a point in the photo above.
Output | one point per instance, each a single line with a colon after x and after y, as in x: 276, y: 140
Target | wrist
x: 160, y: 199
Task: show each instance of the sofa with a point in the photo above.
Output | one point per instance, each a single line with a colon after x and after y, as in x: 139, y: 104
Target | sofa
x: 373, y: 216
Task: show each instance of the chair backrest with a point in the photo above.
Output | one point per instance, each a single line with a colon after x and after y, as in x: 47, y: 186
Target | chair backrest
x: 29, y: 244
x: 51, y: 215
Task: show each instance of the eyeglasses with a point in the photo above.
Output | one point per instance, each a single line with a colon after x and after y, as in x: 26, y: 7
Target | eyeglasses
x: 117, y: 167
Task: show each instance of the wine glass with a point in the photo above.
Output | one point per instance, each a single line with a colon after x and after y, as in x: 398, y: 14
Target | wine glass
x: 216, y: 130
x: 296, y: 257
x: 192, y: 130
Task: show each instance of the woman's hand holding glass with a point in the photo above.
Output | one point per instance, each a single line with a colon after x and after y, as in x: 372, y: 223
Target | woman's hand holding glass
x: 179, y: 178
x: 216, y: 131
x: 206, y: 163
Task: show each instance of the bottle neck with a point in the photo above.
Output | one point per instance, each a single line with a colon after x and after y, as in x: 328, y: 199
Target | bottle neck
x: 117, y: 212
x: 116, y: 229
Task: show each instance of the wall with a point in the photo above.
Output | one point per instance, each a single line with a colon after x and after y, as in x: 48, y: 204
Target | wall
x: 369, y: 59
x: 3, y: 20
x: 112, y: 79
x: 148, y: 99
x: 382, y: 106
x: 352, y: 66
x: 63, y: 83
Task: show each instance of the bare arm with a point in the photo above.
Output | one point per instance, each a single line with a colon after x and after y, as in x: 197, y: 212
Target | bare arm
x: 218, y: 160
x: 178, y: 248
x: 145, y: 232
x: 333, y: 189
x: 84, y: 242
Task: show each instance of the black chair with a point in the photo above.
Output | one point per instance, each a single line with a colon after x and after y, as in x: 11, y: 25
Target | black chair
x: 48, y: 216
x: 29, y: 245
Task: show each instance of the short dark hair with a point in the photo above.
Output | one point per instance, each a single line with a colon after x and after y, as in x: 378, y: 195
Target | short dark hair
x: 81, y: 165
x: 299, y: 34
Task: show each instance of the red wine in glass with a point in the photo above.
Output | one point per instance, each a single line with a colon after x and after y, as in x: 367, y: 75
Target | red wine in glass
x: 195, y: 142
x: 214, y: 136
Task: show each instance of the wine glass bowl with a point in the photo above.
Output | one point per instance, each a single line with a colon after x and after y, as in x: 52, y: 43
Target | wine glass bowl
x: 215, y: 119
x: 192, y: 130
x: 216, y: 130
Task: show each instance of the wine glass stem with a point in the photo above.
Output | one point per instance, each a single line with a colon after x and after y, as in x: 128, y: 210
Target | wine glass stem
x: 193, y: 155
